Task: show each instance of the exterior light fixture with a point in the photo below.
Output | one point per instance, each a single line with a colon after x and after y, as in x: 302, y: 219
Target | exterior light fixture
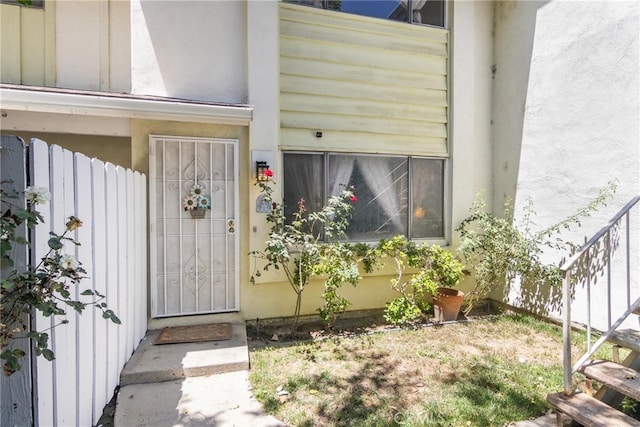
x: 263, y: 173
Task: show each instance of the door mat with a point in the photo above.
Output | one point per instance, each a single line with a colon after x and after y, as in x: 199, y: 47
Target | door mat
x: 198, y: 333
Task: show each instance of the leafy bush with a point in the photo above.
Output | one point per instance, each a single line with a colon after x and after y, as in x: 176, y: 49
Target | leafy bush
x: 499, y: 250
x: 403, y: 310
x: 46, y: 287
x: 311, y: 244
x: 435, y: 267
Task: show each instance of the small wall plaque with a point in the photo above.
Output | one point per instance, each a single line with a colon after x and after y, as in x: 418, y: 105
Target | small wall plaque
x: 262, y: 206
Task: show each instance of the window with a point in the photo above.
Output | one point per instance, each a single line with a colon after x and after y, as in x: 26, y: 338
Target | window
x: 396, y: 195
x: 430, y: 12
x: 30, y: 3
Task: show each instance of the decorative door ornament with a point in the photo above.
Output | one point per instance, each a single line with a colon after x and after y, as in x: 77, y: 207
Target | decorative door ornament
x: 197, y: 202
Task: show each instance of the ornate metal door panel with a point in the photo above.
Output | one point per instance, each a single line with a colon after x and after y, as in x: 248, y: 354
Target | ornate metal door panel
x: 194, y: 261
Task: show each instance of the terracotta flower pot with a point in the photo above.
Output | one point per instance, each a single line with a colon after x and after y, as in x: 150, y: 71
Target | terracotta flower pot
x: 446, y: 304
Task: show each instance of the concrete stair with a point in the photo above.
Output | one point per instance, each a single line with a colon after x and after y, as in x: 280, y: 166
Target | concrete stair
x: 618, y: 379
x: 192, y: 384
x: 157, y: 363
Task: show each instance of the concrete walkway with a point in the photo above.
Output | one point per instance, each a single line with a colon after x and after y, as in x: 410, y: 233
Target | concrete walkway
x: 196, y: 384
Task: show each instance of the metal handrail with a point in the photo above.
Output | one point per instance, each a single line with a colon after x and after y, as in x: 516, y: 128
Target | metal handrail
x: 565, y: 270
x: 575, y: 257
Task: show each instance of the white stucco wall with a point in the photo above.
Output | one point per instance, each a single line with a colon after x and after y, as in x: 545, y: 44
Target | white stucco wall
x: 470, y: 106
x: 566, y: 114
x: 264, y: 95
x: 194, y: 50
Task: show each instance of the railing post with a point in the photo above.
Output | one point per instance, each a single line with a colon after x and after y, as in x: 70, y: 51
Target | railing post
x: 628, y: 258
x: 608, y: 250
x: 566, y: 332
x: 589, y: 334
x: 566, y: 268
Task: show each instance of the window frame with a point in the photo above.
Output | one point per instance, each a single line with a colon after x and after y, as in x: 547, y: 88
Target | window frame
x: 446, y: 204
x: 445, y: 18
x: 35, y: 4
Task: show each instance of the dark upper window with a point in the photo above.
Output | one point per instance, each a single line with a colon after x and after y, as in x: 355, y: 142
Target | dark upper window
x: 429, y: 12
x: 395, y: 194
x: 29, y: 3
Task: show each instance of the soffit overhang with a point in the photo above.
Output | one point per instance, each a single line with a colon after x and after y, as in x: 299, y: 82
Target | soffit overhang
x: 107, y: 104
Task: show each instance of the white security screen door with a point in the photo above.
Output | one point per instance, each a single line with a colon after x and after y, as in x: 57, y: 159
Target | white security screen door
x: 194, y: 259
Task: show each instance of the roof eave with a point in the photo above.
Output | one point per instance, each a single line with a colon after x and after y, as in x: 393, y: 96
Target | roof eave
x: 92, y: 104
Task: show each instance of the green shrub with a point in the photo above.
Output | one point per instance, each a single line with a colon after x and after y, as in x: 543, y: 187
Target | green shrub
x: 498, y: 249
x: 311, y: 244
x: 434, y: 267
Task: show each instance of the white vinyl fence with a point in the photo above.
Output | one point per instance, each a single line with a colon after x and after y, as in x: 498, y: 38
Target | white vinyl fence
x: 90, y: 351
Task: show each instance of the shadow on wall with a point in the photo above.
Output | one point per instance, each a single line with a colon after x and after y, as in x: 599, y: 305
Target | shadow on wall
x: 514, y: 33
x: 565, y: 113
x: 538, y: 296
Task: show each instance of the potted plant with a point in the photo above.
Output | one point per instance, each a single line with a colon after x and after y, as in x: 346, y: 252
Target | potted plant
x: 437, y: 272
x: 446, y: 304
x: 444, y: 269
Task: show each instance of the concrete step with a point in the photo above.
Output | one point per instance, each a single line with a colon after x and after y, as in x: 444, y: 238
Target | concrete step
x: 589, y: 411
x: 156, y: 363
x: 614, y: 376
x: 200, y: 319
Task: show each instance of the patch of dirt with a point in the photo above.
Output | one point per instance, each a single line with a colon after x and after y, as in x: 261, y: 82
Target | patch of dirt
x: 109, y: 412
x: 261, y: 333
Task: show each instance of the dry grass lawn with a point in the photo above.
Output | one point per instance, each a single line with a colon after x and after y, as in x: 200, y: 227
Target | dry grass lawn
x: 487, y: 372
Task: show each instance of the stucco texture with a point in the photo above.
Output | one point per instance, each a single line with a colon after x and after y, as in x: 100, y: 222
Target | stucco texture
x: 205, y: 59
x: 565, y: 112
x: 116, y: 150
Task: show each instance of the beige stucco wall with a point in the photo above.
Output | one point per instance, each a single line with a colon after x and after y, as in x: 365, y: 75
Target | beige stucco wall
x: 116, y: 150
x: 566, y: 112
x: 267, y: 299
x: 106, y: 138
x: 277, y: 299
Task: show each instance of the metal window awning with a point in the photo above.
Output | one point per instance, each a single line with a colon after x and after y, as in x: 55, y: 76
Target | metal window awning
x: 107, y: 104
